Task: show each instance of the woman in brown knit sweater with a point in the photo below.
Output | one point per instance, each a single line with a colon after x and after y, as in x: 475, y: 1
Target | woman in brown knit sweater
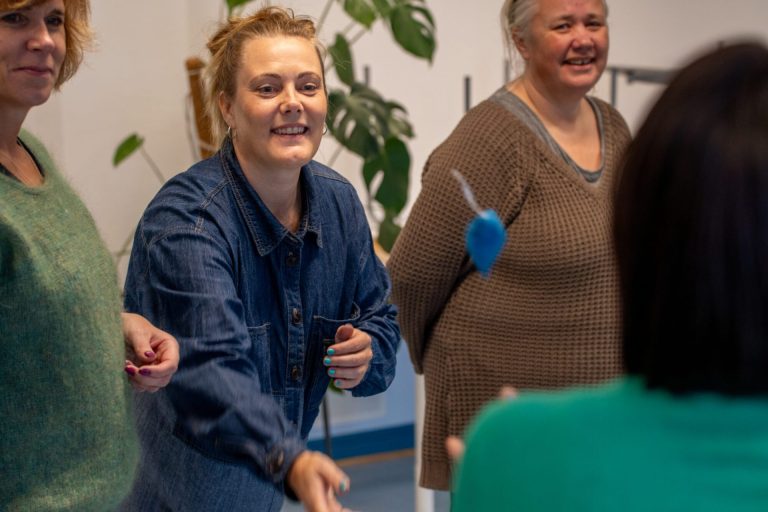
x: 543, y: 155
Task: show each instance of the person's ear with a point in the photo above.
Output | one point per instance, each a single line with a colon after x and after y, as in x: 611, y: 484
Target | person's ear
x: 521, y: 45
x: 225, y: 107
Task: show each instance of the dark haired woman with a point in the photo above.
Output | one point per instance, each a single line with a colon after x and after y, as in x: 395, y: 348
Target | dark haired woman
x: 687, y: 429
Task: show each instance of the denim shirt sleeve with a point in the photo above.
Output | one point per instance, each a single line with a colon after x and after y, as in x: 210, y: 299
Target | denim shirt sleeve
x: 182, y: 280
x: 378, y: 317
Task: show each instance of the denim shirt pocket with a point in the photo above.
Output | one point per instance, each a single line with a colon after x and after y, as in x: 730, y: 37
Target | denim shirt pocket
x: 322, y: 336
x: 260, y: 356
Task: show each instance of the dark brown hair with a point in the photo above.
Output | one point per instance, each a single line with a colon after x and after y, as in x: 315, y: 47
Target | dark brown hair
x: 691, y: 230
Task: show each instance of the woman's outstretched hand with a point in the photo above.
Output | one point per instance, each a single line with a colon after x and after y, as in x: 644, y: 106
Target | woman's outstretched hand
x: 152, y: 355
x: 317, y: 481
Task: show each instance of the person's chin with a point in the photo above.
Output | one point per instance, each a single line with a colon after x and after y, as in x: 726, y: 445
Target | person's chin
x: 39, y: 98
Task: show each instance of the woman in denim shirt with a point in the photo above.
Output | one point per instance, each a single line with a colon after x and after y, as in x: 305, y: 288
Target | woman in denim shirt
x: 260, y: 261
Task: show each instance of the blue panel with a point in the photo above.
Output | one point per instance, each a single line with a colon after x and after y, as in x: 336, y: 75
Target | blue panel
x: 369, y: 442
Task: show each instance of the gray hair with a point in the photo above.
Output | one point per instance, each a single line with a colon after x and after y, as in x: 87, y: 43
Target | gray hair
x: 516, y: 18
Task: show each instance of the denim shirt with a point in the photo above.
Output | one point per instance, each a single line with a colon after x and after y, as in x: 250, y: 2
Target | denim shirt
x: 252, y: 305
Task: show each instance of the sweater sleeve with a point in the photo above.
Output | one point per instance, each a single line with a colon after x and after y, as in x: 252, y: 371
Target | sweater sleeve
x: 429, y: 258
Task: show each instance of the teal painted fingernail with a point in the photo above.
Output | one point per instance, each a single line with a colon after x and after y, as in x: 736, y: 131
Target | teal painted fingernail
x: 343, y: 487
x: 331, y: 351
x: 338, y: 383
x: 327, y: 361
x: 332, y: 372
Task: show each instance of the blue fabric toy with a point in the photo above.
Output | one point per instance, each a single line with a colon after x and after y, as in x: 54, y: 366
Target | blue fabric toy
x: 485, y: 235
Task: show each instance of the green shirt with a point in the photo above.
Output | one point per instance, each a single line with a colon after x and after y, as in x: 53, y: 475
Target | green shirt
x: 66, y: 438
x: 619, y: 447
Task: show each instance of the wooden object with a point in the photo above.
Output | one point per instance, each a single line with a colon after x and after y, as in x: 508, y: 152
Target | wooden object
x: 205, y: 142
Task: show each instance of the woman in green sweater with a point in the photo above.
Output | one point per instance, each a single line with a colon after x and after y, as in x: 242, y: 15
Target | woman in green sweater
x: 687, y: 429
x: 66, y: 441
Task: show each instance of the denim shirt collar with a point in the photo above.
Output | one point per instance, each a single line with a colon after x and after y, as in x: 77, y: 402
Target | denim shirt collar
x: 266, y: 231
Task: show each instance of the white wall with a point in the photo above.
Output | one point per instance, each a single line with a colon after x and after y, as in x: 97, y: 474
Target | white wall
x: 135, y: 81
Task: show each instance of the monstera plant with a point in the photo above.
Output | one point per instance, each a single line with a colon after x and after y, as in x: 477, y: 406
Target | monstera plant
x: 359, y: 118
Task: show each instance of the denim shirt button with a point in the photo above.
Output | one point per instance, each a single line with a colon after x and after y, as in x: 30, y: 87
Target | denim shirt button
x: 296, y: 316
x: 296, y: 373
x: 292, y: 259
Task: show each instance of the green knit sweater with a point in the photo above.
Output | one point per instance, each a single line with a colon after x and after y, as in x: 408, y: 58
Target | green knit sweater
x: 66, y: 441
x: 617, y: 448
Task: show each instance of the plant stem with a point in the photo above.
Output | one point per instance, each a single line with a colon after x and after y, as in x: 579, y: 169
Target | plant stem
x: 324, y: 15
x: 152, y: 165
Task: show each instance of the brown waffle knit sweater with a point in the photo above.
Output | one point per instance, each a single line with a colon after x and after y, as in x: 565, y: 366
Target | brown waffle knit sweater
x: 548, y: 316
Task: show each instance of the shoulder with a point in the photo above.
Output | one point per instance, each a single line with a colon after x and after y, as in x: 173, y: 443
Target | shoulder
x: 330, y: 186
x: 545, y: 418
x: 488, y: 123
x: 489, y: 136
x: 518, y: 450
x: 38, y: 150
x: 189, y: 200
x: 327, y: 177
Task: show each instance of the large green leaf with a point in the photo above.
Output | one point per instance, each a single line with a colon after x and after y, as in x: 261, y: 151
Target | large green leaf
x: 393, y: 191
x: 362, y: 11
x: 232, y: 4
x: 370, y: 169
x: 361, y: 120
x: 383, y: 6
x: 388, y: 233
x: 127, y: 147
x: 413, y: 28
x: 342, y: 60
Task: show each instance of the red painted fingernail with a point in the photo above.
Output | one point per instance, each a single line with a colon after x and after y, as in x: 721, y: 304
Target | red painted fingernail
x: 149, y: 353
x: 130, y: 370
x: 145, y: 372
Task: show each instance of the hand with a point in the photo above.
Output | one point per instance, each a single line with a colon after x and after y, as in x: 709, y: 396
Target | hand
x: 317, y: 480
x: 454, y: 445
x: 152, y: 354
x: 348, y: 359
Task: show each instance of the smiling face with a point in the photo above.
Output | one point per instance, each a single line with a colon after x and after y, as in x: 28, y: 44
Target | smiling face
x: 279, y: 105
x: 567, y: 46
x: 32, y: 47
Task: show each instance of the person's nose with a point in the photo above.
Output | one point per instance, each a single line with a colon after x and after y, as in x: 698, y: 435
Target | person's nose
x: 40, y: 37
x: 582, y: 37
x: 291, y: 101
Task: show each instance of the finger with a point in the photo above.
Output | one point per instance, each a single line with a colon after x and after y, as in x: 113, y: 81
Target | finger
x: 333, y: 475
x: 347, y: 383
x: 166, y: 361
x: 161, y: 370
x: 347, y: 373
x: 507, y: 393
x: 344, y: 332
x: 357, y: 342
x: 334, y: 482
x: 331, y: 501
x: 361, y: 358
x: 455, y: 448
x: 142, y: 350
